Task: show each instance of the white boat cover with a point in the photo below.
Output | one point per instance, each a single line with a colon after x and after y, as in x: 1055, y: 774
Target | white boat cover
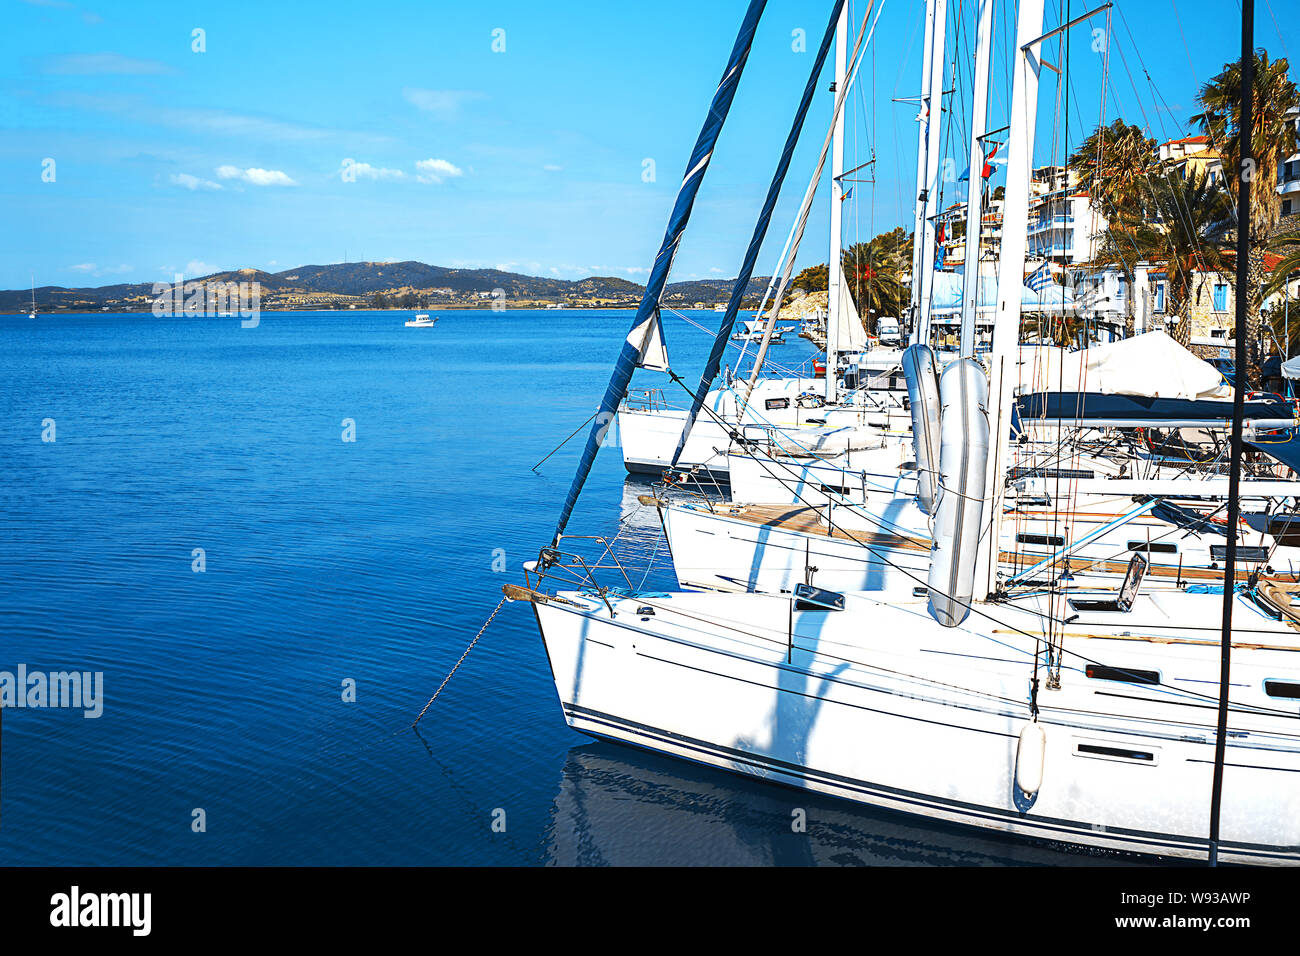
x: 1150, y: 365
x: 1291, y: 367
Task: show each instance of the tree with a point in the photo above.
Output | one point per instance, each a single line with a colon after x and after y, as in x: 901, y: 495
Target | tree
x: 813, y: 279
x: 1272, y: 138
x: 1287, y: 244
x: 1115, y: 163
x: 1183, y: 225
x: 873, y: 271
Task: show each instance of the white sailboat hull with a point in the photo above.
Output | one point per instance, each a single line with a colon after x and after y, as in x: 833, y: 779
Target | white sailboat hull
x: 794, y: 698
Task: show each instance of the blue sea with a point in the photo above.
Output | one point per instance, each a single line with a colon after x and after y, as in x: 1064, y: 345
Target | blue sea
x: 333, y: 569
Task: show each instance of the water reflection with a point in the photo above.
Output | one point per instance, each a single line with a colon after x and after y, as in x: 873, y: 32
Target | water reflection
x: 620, y: 806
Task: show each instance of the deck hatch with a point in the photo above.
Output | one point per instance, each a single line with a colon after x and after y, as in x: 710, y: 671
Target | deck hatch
x: 809, y: 598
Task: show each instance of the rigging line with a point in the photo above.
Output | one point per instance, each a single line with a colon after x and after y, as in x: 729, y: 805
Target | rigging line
x: 1168, y: 689
x: 1164, y: 170
x: 1277, y: 28
x: 784, y: 639
x: 1188, y: 52
x: 566, y: 441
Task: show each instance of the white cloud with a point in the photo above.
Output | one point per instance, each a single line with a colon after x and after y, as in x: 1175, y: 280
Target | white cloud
x: 196, y: 268
x: 445, y: 104
x: 552, y: 168
x: 99, y: 64
x: 192, y: 182
x: 350, y: 170
x: 255, y: 176
x: 90, y: 268
x: 436, y: 170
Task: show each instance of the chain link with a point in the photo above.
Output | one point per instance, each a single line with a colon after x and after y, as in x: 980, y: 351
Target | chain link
x: 452, y: 672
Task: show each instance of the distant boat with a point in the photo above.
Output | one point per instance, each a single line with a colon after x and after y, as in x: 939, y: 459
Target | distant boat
x: 421, y: 321
x: 752, y: 331
x: 719, y: 308
x: 32, y: 314
x: 557, y: 305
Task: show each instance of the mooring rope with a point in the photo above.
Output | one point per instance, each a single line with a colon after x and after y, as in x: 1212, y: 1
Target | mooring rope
x: 456, y: 667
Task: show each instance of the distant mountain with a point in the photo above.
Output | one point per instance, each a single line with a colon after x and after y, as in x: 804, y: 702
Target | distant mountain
x: 385, y: 284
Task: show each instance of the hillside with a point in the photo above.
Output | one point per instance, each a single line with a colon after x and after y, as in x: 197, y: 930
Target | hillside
x: 390, y: 285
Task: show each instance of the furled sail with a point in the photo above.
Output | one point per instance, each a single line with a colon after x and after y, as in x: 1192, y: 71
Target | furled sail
x: 714, y: 363
x: 853, y: 337
x: 645, y: 343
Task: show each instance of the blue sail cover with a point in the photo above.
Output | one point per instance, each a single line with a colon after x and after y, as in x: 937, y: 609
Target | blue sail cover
x: 760, y: 233
x: 646, y: 333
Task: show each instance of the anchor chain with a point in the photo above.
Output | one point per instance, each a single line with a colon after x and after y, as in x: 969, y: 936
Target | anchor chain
x: 456, y: 667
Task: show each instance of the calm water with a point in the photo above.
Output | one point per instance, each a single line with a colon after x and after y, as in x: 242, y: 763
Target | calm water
x: 331, y: 561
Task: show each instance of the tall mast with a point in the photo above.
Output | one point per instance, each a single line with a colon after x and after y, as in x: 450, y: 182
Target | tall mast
x: 922, y: 130
x: 1238, y: 413
x: 975, y: 179
x: 1011, y: 274
x: 835, y: 264
x: 935, y: 107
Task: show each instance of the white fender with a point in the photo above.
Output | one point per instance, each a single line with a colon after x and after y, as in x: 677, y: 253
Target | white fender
x: 923, y: 397
x: 1031, y: 752
x: 963, y: 458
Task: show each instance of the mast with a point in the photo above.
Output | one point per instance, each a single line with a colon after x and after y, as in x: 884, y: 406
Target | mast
x: 1238, y: 412
x: 922, y: 129
x: 975, y: 179
x: 643, y: 347
x: 935, y: 113
x: 1011, y: 276
x: 755, y: 244
x: 835, y: 265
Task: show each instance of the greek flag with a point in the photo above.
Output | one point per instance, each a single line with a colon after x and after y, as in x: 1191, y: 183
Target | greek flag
x: 1041, y: 278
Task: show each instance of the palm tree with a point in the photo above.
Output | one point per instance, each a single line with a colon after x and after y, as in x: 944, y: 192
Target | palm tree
x: 873, y: 271
x: 1272, y: 138
x: 1287, y: 244
x: 1115, y: 164
x: 1183, y: 226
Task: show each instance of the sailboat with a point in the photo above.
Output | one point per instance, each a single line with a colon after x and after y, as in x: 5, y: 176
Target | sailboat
x: 32, y: 313
x: 1086, y: 705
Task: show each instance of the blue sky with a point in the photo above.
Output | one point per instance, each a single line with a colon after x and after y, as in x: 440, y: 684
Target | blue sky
x: 530, y: 159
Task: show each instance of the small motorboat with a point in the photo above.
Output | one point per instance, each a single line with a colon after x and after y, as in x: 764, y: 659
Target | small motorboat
x: 421, y: 321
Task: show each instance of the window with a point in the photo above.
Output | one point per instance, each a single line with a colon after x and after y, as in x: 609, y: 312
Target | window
x: 1114, y: 753
x: 1220, y: 297
x: 1155, y: 547
x: 1054, y: 540
x: 1282, y: 688
x: 1286, y: 207
x: 1219, y: 552
x: 1160, y: 296
x: 1125, y: 674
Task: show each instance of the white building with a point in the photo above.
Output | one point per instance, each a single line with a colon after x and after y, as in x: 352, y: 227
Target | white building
x: 1288, y: 178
